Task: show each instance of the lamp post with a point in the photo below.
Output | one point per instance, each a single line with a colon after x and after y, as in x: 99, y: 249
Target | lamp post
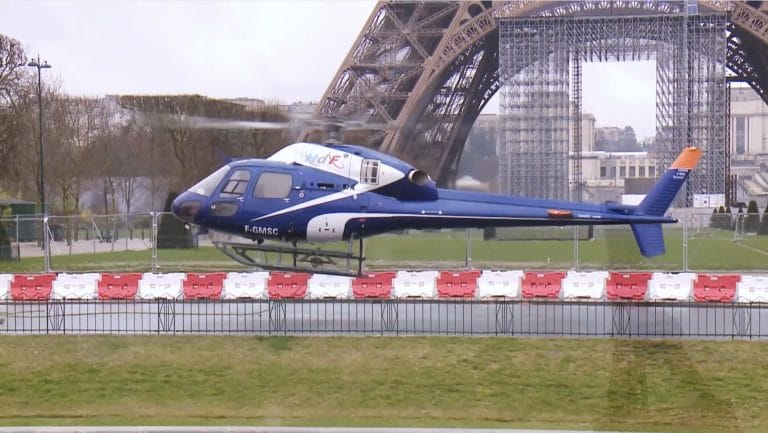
x: 36, y: 63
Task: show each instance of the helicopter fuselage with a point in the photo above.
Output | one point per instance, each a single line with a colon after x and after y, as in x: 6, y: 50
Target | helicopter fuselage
x: 317, y: 193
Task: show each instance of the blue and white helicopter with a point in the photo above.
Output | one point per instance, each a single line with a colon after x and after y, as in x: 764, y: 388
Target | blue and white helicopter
x: 325, y: 193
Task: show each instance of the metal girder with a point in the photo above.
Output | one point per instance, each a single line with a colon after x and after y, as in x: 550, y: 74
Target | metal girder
x: 423, y: 68
x: 378, y: 75
x: 748, y: 46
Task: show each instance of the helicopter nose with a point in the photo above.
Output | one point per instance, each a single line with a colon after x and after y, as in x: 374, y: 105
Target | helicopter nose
x: 186, y: 207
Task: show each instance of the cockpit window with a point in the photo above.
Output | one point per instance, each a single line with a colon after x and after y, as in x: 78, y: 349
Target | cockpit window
x: 235, y: 186
x: 208, y: 185
x: 273, y: 185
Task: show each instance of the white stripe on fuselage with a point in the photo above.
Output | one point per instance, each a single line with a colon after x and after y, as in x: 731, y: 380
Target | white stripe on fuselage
x: 359, y: 189
x: 330, y: 227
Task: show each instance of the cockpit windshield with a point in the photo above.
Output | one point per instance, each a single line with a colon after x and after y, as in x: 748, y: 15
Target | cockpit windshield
x: 206, y: 186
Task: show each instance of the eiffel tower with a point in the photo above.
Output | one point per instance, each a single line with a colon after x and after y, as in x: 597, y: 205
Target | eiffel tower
x: 420, y: 72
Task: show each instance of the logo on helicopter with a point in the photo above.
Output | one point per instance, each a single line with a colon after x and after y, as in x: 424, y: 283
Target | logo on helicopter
x: 331, y: 159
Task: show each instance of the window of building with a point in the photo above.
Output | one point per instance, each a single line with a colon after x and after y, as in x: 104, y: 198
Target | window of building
x: 642, y: 171
x: 603, y: 172
x: 632, y: 171
x: 273, y: 185
x: 652, y: 171
x: 622, y: 171
x: 236, y: 185
x: 369, y: 172
x: 740, y: 135
x: 612, y: 174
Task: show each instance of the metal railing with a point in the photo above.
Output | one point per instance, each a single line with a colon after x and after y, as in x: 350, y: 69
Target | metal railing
x: 389, y: 317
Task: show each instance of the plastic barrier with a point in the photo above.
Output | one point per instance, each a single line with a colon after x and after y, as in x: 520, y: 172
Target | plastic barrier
x: 32, y: 287
x: 161, y: 286
x: 462, y: 284
x: 627, y: 285
x: 321, y: 286
x: 415, y: 284
x: 5, y: 285
x: 715, y: 288
x: 287, y: 285
x: 245, y: 285
x: 76, y: 286
x: 119, y: 286
x: 376, y: 285
x: 752, y: 288
x: 671, y: 287
x: 542, y: 284
x: 204, y: 286
x: 499, y: 284
x: 584, y: 285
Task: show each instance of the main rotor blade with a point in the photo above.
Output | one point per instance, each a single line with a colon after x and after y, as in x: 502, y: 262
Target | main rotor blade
x: 213, y: 123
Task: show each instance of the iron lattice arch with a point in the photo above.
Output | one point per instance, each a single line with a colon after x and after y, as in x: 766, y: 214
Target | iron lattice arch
x: 420, y: 72
x: 540, y: 105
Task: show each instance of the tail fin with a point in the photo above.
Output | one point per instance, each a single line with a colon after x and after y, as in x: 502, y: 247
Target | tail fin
x: 658, y: 200
x: 649, y: 237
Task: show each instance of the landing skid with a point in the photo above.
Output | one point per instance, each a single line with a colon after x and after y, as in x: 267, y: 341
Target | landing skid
x: 277, y: 255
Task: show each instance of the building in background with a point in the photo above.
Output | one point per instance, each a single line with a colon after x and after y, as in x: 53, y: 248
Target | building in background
x: 630, y: 169
x: 749, y: 143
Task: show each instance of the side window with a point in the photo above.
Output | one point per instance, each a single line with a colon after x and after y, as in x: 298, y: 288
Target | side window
x: 369, y: 172
x: 236, y: 185
x: 273, y: 185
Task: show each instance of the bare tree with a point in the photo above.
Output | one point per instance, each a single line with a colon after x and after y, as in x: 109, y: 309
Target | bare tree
x: 193, y: 152
x: 72, y: 123
x: 17, y: 120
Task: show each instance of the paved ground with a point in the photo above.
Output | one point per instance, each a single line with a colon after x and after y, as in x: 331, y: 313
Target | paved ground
x: 188, y: 429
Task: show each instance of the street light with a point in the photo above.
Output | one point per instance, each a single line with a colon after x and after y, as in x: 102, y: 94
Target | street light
x: 36, y: 63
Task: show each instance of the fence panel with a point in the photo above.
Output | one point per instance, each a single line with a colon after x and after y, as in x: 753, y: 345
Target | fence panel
x: 388, y: 317
x: 700, y: 241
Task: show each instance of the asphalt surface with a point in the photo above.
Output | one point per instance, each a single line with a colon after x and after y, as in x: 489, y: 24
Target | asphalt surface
x: 192, y: 429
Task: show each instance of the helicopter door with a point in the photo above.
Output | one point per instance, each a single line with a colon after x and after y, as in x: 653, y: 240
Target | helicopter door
x: 274, y: 191
x: 232, y: 194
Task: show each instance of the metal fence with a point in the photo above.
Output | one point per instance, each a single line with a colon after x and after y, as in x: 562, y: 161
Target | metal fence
x: 389, y: 317
x: 696, y: 242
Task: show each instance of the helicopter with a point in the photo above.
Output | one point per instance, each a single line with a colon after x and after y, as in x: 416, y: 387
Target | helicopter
x: 260, y: 211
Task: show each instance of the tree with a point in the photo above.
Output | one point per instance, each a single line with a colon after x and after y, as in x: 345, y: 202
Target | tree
x: 713, y: 221
x: 189, y: 152
x: 72, y: 128
x: 172, y: 232
x: 752, y: 222
x: 763, y: 230
x: 18, y: 121
x: 5, y: 244
x: 729, y: 223
x: 723, y: 220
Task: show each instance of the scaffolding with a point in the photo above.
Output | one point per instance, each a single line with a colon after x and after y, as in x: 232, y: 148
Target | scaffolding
x: 535, y: 113
x: 540, y: 69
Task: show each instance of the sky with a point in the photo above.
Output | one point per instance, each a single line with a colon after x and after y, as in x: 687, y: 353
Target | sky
x: 277, y: 50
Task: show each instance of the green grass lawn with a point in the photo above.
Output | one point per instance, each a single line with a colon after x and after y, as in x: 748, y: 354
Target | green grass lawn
x: 671, y: 386
x: 609, y: 249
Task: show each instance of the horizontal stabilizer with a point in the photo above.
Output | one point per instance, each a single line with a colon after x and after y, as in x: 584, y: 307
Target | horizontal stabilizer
x: 650, y: 239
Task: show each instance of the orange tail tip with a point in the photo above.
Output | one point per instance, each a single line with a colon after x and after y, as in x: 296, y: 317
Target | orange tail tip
x: 688, y: 158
